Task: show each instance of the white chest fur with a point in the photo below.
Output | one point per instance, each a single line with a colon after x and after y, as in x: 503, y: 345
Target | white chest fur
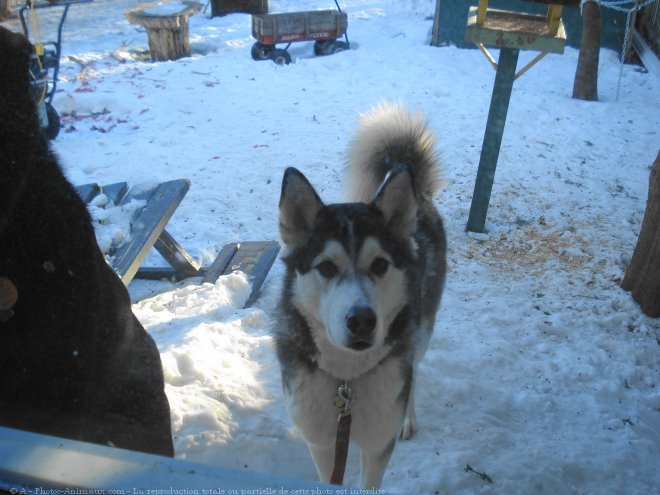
x: 377, y: 412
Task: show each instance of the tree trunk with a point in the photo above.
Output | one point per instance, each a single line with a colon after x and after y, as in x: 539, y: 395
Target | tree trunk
x: 585, y: 86
x: 643, y: 274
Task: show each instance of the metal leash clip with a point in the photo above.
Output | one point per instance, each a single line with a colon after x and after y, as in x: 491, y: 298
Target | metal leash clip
x: 344, y: 399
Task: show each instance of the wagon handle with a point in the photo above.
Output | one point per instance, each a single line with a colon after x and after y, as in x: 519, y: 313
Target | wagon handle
x: 346, y: 33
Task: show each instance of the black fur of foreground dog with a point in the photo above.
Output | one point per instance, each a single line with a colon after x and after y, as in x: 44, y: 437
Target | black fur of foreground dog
x: 74, y: 360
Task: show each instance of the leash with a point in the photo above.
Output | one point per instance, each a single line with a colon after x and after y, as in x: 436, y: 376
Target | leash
x: 343, y: 402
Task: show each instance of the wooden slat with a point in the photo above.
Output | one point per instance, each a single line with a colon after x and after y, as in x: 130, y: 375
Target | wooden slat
x: 183, y: 264
x: 254, y: 258
x: 162, y: 273
x: 115, y: 192
x: 148, y: 224
x: 646, y: 55
x: 267, y: 255
x: 220, y: 263
x: 530, y: 64
x: 506, y: 29
x: 554, y: 18
x: 482, y: 8
x: 87, y: 192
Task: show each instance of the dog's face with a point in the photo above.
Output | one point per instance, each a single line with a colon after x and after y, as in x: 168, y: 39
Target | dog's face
x: 349, y: 259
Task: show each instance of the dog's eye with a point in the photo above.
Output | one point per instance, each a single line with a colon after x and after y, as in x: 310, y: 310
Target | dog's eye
x: 327, y: 269
x: 379, y: 266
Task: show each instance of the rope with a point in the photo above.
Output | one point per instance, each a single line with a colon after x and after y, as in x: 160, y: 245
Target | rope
x: 38, y: 48
x: 618, y: 4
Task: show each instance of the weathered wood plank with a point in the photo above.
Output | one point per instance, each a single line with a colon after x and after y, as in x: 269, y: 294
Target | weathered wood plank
x: 254, y: 258
x: 87, y: 192
x: 183, y: 264
x: 648, y: 58
x: 162, y: 273
x: 148, y: 224
x: 115, y: 192
x: 515, y: 30
x: 220, y: 264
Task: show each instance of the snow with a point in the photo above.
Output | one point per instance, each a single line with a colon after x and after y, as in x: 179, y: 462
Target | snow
x: 542, y: 374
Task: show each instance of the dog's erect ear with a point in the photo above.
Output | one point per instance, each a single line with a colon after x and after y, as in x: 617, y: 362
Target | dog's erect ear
x: 299, y: 205
x: 396, y: 200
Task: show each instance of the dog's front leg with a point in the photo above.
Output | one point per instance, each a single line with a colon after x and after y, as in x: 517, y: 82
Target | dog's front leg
x: 324, y: 458
x: 373, y: 466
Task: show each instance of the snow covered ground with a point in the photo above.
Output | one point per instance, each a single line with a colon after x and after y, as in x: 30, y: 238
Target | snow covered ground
x: 542, y: 375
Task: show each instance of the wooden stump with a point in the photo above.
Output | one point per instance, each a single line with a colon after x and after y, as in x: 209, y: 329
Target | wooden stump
x: 167, y: 28
x: 643, y: 274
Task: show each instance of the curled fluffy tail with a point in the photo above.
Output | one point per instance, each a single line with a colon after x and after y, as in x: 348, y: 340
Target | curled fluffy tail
x: 389, y: 136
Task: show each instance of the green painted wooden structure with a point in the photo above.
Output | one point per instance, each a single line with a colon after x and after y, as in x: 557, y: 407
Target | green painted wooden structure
x: 510, y: 32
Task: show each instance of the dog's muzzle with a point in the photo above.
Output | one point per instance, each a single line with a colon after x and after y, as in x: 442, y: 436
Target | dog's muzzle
x: 361, y: 323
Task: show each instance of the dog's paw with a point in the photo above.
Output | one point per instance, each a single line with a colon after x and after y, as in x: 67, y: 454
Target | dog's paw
x: 408, y: 429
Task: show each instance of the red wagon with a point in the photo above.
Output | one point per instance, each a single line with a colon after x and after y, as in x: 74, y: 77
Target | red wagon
x: 324, y: 27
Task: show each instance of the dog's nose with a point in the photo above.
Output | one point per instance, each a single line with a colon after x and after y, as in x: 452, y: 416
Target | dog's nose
x: 361, y: 321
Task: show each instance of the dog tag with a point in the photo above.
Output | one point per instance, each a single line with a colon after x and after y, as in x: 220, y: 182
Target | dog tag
x: 8, y: 294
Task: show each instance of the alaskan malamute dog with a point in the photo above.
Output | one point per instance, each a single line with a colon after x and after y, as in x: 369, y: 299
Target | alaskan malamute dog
x: 362, y: 288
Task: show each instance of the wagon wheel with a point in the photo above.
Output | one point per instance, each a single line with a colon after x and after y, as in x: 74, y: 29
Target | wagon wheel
x: 280, y: 57
x: 321, y: 47
x: 261, y: 51
x: 328, y: 47
x: 53, y: 128
x: 340, y: 46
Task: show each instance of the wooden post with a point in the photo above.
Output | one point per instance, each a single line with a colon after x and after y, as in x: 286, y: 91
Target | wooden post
x: 482, y: 8
x: 435, y: 33
x: 554, y: 18
x: 499, y: 107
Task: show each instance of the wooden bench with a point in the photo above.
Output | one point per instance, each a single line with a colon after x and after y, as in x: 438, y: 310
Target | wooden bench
x: 147, y: 230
